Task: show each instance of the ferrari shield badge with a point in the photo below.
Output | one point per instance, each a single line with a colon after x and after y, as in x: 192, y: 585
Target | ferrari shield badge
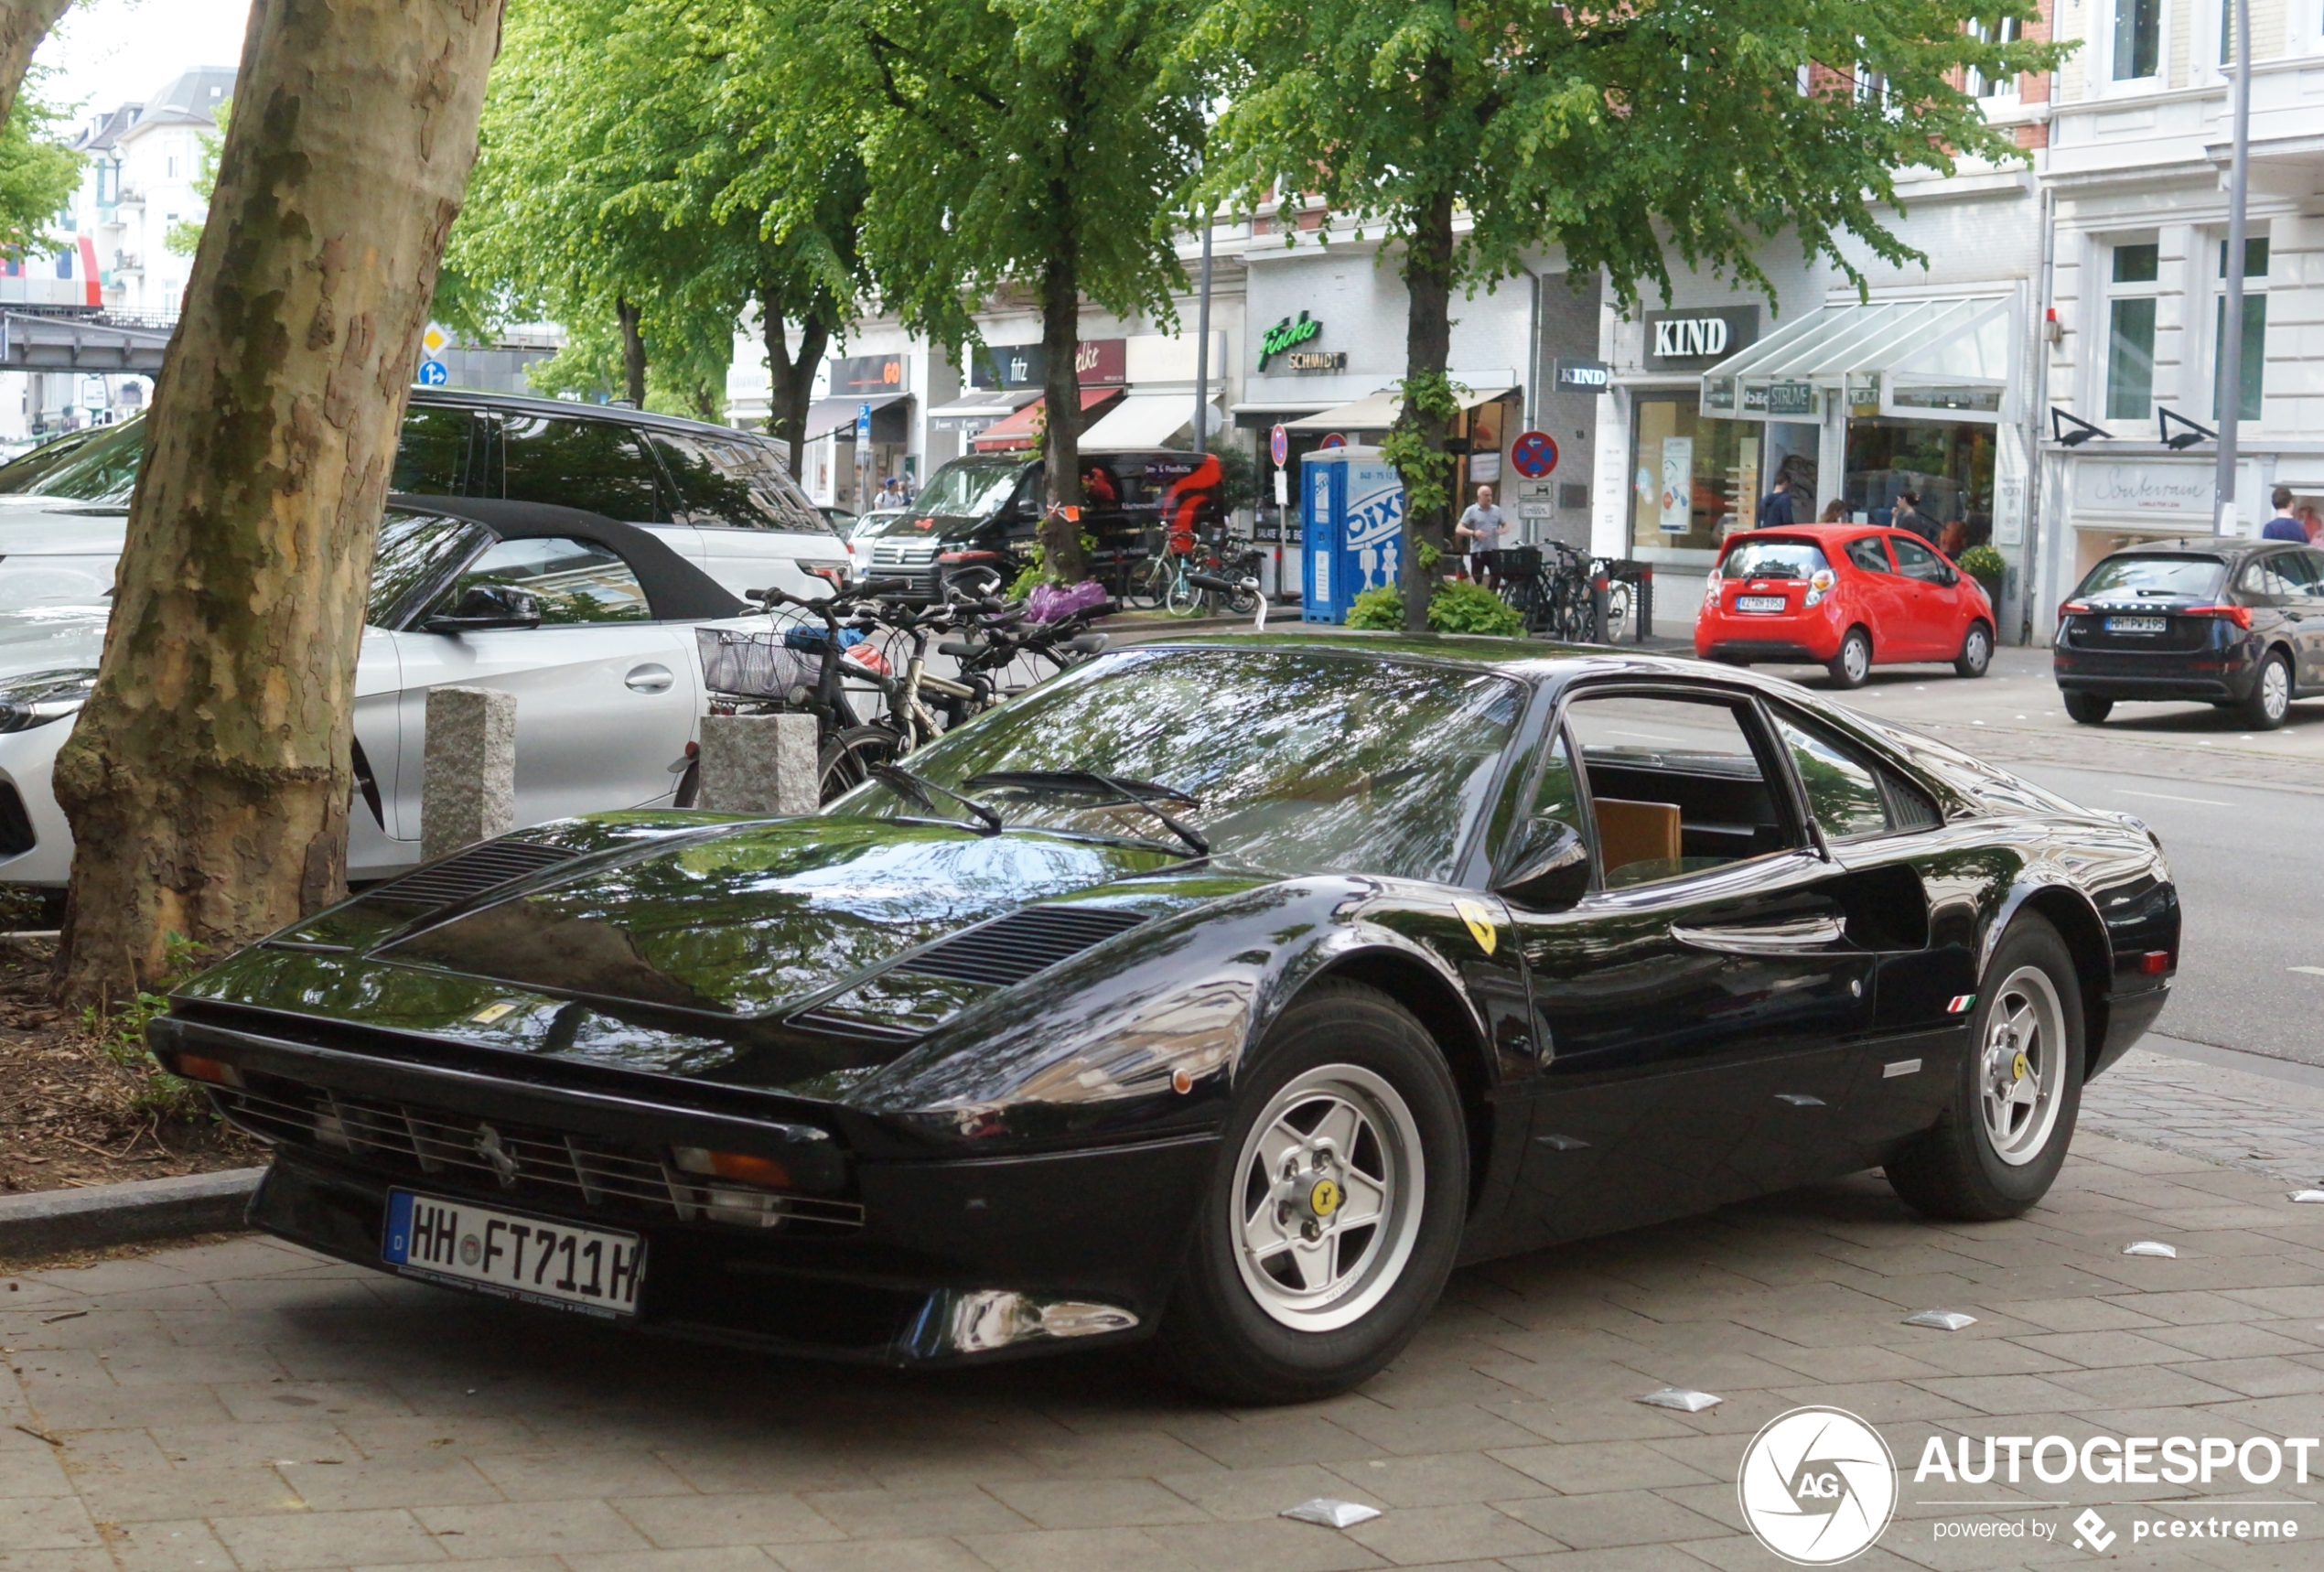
x: 1481, y: 923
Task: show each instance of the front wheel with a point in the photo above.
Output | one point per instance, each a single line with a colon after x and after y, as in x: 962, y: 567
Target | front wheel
x: 1852, y: 663
x: 2271, y: 700
x: 1333, y: 1209
x: 1148, y: 584
x: 1997, y: 1148
x: 1976, y: 651
x: 846, y: 758
x: 1183, y: 599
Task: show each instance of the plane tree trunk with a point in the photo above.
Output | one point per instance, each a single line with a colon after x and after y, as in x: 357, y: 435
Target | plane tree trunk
x: 208, y: 779
x: 1428, y: 258
x: 23, y: 24
x: 633, y: 351
x: 792, y: 378
x: 1061, y: 553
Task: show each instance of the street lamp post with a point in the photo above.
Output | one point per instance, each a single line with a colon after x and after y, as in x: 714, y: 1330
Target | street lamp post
x: 2230, y: 327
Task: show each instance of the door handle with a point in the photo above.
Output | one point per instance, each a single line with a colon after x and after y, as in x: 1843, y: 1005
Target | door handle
x: 1800, y: 936
x: 649, y: 679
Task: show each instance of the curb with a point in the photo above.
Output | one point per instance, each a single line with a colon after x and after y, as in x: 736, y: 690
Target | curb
x: 49, y: 1220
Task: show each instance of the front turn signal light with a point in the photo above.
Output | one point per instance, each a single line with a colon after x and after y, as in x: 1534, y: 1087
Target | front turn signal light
x: 743, y: 1167
x: 210, y: 1071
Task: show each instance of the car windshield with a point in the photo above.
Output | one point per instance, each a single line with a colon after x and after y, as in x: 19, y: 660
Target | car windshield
x: 102, y: 469
x: 2196, y: 577
x: 1298, y: 761
x: 971, y: 487
x: 1774, y: 559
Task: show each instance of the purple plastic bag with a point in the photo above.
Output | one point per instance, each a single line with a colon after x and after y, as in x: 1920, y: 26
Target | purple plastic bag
x: 1048, y: 603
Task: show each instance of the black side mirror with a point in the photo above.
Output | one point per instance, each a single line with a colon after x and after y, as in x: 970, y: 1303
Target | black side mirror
x: 1550, y: 872
x: 485, y: 606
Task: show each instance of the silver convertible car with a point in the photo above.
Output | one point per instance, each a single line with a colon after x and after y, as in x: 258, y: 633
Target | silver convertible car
x: 589, y: 622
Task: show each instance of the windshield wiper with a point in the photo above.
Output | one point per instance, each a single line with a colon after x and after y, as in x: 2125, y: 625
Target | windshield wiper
x: 1136, y: 794
x: 917, y: 787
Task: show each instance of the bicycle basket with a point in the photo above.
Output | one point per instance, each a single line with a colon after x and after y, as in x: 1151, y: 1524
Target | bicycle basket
x: 754, y: 665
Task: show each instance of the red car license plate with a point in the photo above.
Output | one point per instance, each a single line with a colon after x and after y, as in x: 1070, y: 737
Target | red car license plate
x: 1758, y: 603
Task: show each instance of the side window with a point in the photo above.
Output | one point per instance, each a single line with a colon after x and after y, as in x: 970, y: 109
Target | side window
x: 598, y: 465
x: 2310, y: 565
x: 1844, y: 793
x: 2274, y: 575
x: 735, y: 484
x: 1866, y: 553
x: 432, y: 458
x: 1675, y: 784
x: 574, y: 581
x: 414, y: 553
x: 1917, y: 561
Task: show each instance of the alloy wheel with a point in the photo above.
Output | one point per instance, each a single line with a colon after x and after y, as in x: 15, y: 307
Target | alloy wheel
x: 2274, y: 691
x: 2022, y: 1066
x: 1330, y: 1191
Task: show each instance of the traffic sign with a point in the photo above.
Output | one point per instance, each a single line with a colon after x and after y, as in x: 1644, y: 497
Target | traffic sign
x: 1534, y: 455
x: 433, y: 374
x: 1332, y: 439
x: 1279, y: 445
x: 863, y: 423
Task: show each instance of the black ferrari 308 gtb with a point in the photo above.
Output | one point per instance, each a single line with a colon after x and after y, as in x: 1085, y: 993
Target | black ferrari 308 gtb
x: 1231, y: 991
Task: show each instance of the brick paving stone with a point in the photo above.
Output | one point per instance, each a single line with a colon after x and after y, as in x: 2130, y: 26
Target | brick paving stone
x: 242, y: 1407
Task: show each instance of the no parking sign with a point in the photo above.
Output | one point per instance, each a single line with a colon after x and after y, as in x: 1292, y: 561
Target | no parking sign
x: 1533, y: 453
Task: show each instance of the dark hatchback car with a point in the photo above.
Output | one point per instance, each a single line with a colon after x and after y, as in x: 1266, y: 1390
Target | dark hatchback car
x: 2239, y: 624
x: 984, y: 512
x: 1234, y: 990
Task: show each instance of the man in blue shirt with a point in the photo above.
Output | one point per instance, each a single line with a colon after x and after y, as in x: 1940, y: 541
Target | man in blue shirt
x: 1775, y: 508
x: 2282, y: 526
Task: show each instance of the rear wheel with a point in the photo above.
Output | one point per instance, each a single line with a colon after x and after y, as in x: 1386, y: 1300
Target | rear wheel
x: 2270, y: 699
x: 846, y: 758
x: 1333, y: 1209
x: 1148, y: 583
x: 1976, y: 651
x: 1997, y: 1148
x: 2089, y: 709
x: 1853, y: 661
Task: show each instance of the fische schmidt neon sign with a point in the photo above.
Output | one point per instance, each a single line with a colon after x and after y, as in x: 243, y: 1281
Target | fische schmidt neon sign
x: 1288, y: 334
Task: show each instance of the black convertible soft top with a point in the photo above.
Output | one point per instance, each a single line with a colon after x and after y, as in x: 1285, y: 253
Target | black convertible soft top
x: 676, y: 590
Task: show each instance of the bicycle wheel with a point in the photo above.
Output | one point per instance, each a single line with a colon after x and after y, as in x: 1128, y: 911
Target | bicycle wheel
x: 846, y: 761
x: 1148, y: 584
x: 1184, y: 598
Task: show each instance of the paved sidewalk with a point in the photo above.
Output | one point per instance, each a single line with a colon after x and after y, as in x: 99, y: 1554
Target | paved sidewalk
x: 245, y: 1407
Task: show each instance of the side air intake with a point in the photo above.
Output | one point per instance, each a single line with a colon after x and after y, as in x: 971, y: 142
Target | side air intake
x: 1010, y: 949
x: 471, y: 872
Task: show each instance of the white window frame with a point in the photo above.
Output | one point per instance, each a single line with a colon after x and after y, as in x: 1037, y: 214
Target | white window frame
x: 2103, y: 62
x: 2108, y: 291
x: 2000, y: 95
x: 2212, y: 292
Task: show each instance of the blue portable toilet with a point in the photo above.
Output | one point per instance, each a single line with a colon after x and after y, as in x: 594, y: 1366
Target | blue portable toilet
x: 1352, y: 529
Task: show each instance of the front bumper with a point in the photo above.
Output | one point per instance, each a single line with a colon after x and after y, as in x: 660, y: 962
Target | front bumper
x: 893, y: 1260
x: 36, y: 842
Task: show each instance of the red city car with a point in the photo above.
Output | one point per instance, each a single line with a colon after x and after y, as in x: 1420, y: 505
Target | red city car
x: 1846, y: 596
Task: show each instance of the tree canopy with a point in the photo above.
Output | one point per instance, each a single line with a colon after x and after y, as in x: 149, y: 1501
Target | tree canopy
x: 37, y: 177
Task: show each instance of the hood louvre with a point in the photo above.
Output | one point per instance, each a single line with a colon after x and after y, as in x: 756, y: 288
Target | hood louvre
x: 1010, y: 949
x: 471, y: 872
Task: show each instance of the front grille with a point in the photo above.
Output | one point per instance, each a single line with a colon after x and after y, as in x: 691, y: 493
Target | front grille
x: 2180, y: 635
x: 1011, y: 949
x: 16, y: 824
x: 471, y: 872
x: 903, y: 553
x: 521, y: 1160
x: 849, y: 1026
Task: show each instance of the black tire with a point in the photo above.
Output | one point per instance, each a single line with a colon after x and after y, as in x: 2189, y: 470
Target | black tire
x: 1958, y: 1169
x: 1218, y: 1334
x: 689, y: 792
x: 1976, y: 651
x: 1147, y: 586
x: 2089, y: 709
x: 845, y: 759
x: 2271, y: 700
x: 1853, y: 663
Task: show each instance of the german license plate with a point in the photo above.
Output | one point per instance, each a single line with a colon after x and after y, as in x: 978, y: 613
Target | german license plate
x: 594, y: 1270
x: 1758, y: 603
x: 2136, y: 624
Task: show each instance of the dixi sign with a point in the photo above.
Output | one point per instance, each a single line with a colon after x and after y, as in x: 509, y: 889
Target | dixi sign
x: 1692, y: 340
x: 1288, y: 334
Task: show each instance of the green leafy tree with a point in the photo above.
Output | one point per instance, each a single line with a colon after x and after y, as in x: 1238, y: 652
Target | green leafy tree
x: 37, y: 177
x: 1012, y: 147
x: 1468, y: 134
x: 184, y: 237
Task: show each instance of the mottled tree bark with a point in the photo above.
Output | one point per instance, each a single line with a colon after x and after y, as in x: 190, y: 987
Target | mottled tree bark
x: 208, y: 779
x: 791, y: 381
x: 23, y: 24
x: 1061, y: 553
x: 633, y: 351
x: 1428, y: 253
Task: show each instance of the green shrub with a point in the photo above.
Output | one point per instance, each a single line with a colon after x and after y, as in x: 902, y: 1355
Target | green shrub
x: 1984, y: 563
x: 1458, y: 607
x: 1382, y: 609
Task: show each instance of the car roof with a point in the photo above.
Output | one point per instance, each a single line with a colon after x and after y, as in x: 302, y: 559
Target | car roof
x: 2200, y: 545
x: 1819, y: 533
x: 1529, y: 660
x: 675, y: 589
x: 569, y: 409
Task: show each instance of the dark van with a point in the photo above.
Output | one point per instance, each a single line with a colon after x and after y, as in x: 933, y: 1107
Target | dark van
x: 984, y: 512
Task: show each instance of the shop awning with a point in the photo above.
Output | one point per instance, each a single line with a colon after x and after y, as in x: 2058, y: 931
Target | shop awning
x: 1378, y: 412
x: 1262, y: 415
x: 1147, y: 420
x: 1016, y: 431
x: 1931, y: 357
x: 826, y: 415
x: 974, y: 412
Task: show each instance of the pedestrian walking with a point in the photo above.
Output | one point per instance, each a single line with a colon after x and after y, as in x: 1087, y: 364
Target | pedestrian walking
x: 1953, y: 539
x: 1835, y: 511
x: 1909, y: 517
x: 2306, y: 513
x: 1775, y: 508
x: 2284, y: 525
x: 1479, y: 532
x: 891, y: 493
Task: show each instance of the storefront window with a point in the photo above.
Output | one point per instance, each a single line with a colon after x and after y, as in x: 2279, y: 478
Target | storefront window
x: 1695, y: 480
x: 1949, y: 467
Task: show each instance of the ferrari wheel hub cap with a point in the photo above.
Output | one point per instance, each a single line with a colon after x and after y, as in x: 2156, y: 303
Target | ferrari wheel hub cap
x: 2021, y: 1066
